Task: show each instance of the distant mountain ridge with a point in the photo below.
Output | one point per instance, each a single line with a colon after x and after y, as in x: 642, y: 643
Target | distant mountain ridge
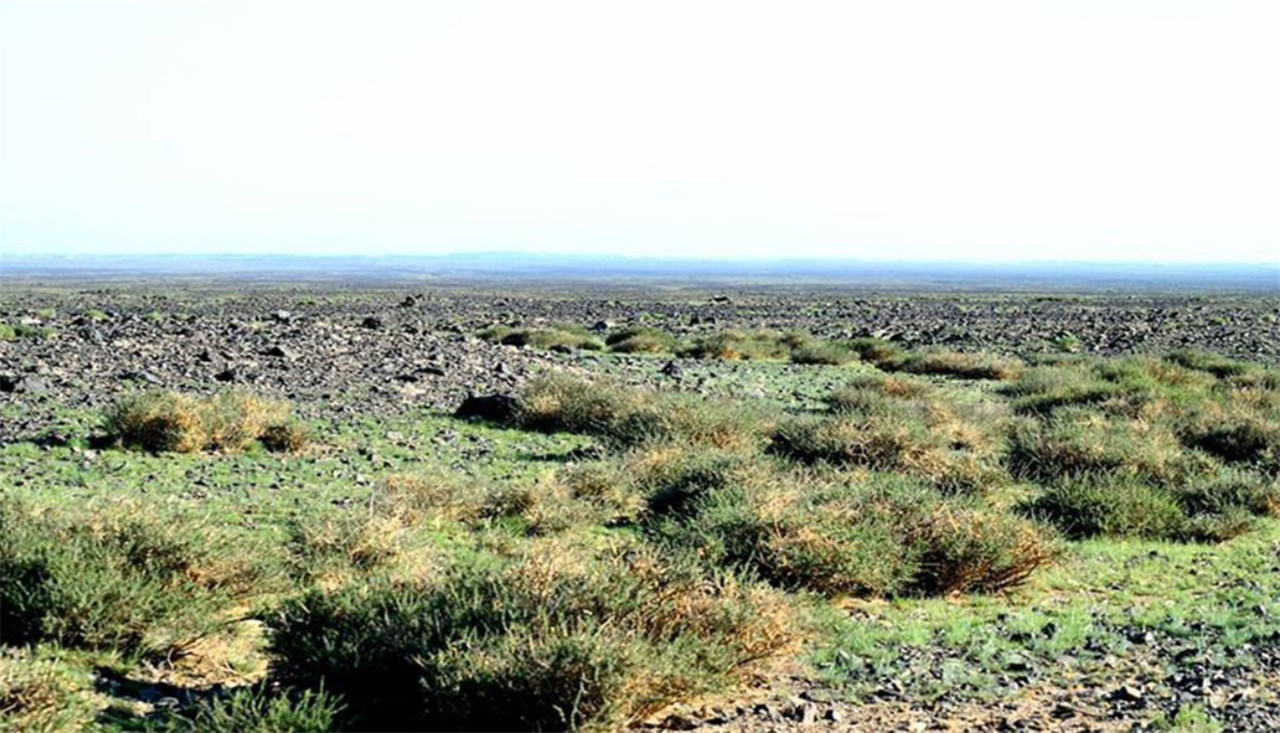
x: 1253, y: 277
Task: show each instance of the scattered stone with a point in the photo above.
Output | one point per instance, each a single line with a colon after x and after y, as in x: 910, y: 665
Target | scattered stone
x: 673, y: 370
x: 372, y: 322
x: 282, y: 351
x: 141, y: 375
x: 24, y: 385
x: 680, y: 722
x: 490, y: 408
x: 1126, y: 693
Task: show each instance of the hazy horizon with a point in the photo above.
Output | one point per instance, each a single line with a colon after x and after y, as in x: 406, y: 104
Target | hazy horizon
x: 879, y: 132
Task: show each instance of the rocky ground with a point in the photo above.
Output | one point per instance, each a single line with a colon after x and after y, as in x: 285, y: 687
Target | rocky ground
x: 336, y: 353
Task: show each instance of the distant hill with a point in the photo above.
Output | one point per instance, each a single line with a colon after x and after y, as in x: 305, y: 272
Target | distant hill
x: 542, y: 268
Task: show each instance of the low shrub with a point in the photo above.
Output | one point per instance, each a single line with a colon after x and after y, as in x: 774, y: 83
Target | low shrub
x: 1229, y: 490
x: 878, y: 536
x: 879, y: 352
x: 557, y: 401
x: 42, y: 695
x: 1043, y: 389
x: 285, y: 437
x: 964, y: 365
x: 965, y: 549
x: 825, y: 353
x: 259, y: 709
x: 24, y: 331
x: 554, y: 339
x: 1111, y: 506
x: 733, y: 345
x: 1244, y: 439
x: 121, y: 582
x: 890, y: 434
x: 676, y: 481
x: 553, y: 639
x: 640, y: 340
x: 1207, y: 361
x: 1078, y: 443
x: 906, y: 388
x: 625, y: 417
x: 228, y: 421
x: 875, y: 444
x: 359, y: 541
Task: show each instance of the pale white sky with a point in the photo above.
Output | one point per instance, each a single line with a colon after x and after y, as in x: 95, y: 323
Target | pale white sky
x: 994, y: 131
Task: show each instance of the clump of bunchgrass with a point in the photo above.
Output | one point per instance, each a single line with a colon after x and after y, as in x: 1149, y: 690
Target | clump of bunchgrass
x: 739, y: 345
x: 112, y: 581
x: 227, y: 421
x: 965, y: 365
x: 624, y: 417
x: 878, y: 535
x: 259, y: 709
x: 827, y: 353
x: 553, y: 338
x: 1207, y: 361
x: 558, y: 401
x: 39, y: 694
x: 1078, y: 442
x: 1111, y: 506
x: 879, y: 352
x: 640, y: 340
x: 558, y: 637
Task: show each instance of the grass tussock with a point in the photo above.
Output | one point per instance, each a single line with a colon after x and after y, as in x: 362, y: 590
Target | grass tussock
x: 640, y: 340
x: 942, y: 362
x: 880, y: 535
x: 167, y: 421
x: 559, y: 338
x: 558, y: 637
x: 877, y: 432
x: 259, y: 709
x: 42, y: 695
x: 114, y: 581
x: 626, y: 417
x: 20, y: 331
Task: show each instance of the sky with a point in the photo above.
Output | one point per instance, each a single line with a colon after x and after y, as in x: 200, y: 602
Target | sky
x: 1013, y: 131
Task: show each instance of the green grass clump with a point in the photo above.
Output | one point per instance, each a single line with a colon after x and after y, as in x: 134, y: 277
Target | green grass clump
x: 879, y: 352
x: 161, y: 421
x: 964, y: 365
x: 1078, y: 443
x: 259, y: 710
x: 112, y: 582
x: 739, y: 345
x: 1111, y: 507
x: 874, y: 444
x: 823, y: 353
x: 19, y: 331
x: 624, y: 417
x: 556, y: 638
x: 559, y: 402
x: 882, y: 433
x: 42, y: 695
x: 881, y: 536
x: 1241, y: 439
x: 557, y: 338
x: 1207, y: 361
x: 640, y: 340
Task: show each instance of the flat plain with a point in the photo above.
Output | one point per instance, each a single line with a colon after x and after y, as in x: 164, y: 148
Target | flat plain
x: 743, y: 508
